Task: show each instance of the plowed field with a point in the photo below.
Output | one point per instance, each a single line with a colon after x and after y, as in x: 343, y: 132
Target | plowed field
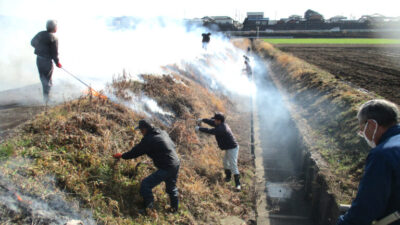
x: 372, y: 67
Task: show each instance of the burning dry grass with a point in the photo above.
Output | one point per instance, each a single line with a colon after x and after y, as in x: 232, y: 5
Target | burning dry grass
x: 185, y: 98
x: 330, y: 107
x: 74, y: 142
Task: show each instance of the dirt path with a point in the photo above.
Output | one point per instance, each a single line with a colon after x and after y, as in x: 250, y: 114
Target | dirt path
x: 17, y: 106
x: 374, y: 68
x: 13, y: 115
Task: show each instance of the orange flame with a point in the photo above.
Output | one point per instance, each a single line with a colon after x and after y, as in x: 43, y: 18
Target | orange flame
x: 18, y: 197
x: 95, y: 93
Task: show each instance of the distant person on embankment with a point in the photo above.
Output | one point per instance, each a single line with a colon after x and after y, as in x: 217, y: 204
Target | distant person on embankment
x: 248, y: 69
x: 379, y: 190
x: 226, y: 142
x: 46, y: 49
x: 206, y: 39
x: 160, y: 148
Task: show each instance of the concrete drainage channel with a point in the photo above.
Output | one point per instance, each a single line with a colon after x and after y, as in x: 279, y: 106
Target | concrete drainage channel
x: 289, y: 189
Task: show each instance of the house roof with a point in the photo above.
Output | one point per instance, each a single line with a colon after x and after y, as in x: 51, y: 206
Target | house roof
x: 258, y: 19
x: 221, y: 17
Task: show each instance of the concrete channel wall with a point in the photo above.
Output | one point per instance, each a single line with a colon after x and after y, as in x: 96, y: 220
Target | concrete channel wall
x: 325, y: 208
x: 312, y: 203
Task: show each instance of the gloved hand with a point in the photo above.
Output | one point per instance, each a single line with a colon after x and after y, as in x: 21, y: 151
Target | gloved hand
x: 59, y: 65
x: 199, y: 120
x: 117, y: 155
x: 197, y: 128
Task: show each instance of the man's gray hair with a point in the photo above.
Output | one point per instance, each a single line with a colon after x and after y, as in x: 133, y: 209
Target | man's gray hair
x: 51, y: 25
x: 384, y: 112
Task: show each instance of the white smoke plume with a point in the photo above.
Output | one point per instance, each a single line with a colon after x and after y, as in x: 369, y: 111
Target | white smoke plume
x: 95, y: 48
x: 24, y: 200
x: 141, y: 103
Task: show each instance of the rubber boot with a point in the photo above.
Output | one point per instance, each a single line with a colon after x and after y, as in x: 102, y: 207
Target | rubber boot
x: 174, y: 205
x: 46, y: 99
x: 237, y: 182
x: 228, y: 175
x: 148, y: 207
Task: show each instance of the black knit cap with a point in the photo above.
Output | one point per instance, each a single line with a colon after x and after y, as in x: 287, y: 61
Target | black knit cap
x: 219, y: 116
x: 144, y: 124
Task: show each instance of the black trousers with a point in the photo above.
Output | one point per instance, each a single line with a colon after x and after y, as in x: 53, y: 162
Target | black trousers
x: 45, y: 68
x: 170, y: 178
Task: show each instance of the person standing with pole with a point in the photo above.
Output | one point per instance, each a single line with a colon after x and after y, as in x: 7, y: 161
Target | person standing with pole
x: 46, y: 49
x: 226, y: 142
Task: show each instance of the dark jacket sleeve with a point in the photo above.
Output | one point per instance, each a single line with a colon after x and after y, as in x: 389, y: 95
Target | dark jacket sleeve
x: 373, y: 193
x: 137, y: 150
x: 209, y: 122
x: 35, y: 41
x: 54, y: 50
x: 207, y: 130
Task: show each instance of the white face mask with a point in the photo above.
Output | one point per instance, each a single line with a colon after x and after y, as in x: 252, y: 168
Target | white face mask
x: 371, y: 143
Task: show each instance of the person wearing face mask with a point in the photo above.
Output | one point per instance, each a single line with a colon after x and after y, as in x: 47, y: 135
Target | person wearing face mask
x: 379, y: 189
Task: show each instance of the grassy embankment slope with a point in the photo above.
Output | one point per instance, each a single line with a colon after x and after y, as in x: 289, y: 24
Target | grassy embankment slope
x: 352, y: 41
x: 329, y: 107
x: 74, y: 142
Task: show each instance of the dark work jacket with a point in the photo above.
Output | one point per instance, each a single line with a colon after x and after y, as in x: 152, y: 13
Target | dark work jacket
x: 46, y: 45
x: 223, y: 134
x: 379, y: 190
x: 206, y: 38
x: 159, y: 147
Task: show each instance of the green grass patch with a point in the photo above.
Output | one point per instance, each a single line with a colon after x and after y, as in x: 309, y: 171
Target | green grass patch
x: 6, y: 150
x: 350, y: 41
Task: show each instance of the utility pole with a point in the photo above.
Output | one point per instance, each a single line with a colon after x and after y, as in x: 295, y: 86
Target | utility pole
x: 236, y: 15
x: 258, y: 30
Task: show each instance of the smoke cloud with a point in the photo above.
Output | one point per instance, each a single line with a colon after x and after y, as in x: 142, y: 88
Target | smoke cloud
x: 96, y: 48
x: 25, y: 200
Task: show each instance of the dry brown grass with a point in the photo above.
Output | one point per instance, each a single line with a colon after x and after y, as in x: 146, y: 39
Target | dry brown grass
x: 241, y: 43
x: 285, y: 59
x: 265, y: 45
x: 75, y: 141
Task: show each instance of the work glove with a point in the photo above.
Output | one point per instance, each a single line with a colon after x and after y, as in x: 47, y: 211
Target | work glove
x: 59, y: 65
x: 117, y: 155
x: 199, y: 120
x: 197, y: 128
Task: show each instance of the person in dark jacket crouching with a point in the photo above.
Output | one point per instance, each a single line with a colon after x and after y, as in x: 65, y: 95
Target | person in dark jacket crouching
x: 379, y: 190
x: 160, y: 148
x: 227, y: 142
x: 46, y: 49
